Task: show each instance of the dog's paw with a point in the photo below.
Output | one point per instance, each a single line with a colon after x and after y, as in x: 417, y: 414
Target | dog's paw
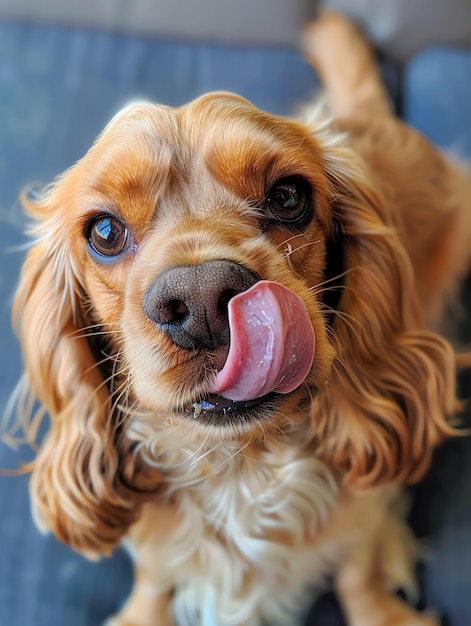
x: 116, y: 620
x: 329, y: 32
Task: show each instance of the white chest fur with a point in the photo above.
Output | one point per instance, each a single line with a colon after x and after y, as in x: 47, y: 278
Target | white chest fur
x: 243, y: 547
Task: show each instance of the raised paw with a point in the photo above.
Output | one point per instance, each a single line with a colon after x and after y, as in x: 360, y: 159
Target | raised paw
x: 346, y: 65
x: 330, y: 33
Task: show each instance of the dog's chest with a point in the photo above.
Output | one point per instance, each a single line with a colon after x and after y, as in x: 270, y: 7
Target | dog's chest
x: 252, y: 531
x: 284, y: 502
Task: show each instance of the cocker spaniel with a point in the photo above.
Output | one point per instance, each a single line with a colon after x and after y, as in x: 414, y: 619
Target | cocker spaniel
x: 230, y: 319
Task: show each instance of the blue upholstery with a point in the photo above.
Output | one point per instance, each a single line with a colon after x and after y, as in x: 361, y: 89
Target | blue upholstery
x: 58, y: 87
x: 437, y: 97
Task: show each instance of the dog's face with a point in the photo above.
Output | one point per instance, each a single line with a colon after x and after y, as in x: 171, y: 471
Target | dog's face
x: 176, y: 298
x: 171, y: 214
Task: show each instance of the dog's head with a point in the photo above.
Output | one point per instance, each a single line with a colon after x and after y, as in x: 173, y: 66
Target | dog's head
x: 225, y: 275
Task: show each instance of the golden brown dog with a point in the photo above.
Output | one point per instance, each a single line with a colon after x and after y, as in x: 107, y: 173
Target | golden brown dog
x: 229, y: 318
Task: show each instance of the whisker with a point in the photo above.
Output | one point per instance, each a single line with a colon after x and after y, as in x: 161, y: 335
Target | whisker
x: 97, y: 333
x: 80, y: 331
x: 308, y: 389
x: 347, y: 319
x: 336, y: 277
x: 334, y: 288
x: 304, y: 245
x: 339, y: 362
x: 198, y: 455
x: 232, y: 456
x: 98, y: 363
x: 114, y: 373
x: 277, y: 427
x: 287, y: 241
x: 123, y: 392
x: 331, y: 333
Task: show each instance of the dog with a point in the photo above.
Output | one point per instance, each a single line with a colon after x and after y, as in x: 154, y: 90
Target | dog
x: 232, y: 321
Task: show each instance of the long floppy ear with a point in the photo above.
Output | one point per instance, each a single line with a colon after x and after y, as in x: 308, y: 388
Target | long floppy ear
x: 393, y: 384
x: 81, y: 482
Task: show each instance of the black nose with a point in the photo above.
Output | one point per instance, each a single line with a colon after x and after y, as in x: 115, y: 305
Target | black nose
x: 190, y: 303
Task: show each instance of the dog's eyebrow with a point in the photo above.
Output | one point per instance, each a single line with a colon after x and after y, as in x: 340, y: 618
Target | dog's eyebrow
x: 131, y: 191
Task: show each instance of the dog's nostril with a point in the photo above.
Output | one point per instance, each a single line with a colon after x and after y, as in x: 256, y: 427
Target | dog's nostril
x: 223, y: 300
x: 177, y: 310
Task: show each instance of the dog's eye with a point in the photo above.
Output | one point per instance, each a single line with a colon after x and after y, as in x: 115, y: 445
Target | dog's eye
x: 289, y: 201
x: 108, y: 236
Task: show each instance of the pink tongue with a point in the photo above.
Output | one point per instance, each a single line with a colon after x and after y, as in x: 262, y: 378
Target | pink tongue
x: 272, y: 343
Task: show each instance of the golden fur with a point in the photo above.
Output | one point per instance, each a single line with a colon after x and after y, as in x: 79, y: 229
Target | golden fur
x: 233, y: 525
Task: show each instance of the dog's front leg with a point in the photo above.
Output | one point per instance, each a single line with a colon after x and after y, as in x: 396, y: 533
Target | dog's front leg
x: 376, y: 566
x: 374, y: 607
x: 148, y: 543
x: 146, y: 606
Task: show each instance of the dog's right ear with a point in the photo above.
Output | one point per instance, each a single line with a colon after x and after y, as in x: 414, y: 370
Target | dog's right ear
x: 82, y: 484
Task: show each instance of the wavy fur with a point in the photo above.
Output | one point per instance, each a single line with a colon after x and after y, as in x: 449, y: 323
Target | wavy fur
x: 235, y: 524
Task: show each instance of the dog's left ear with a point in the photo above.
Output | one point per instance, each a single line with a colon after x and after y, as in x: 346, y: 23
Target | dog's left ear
x: 82, y: 483
x: 393, y: 384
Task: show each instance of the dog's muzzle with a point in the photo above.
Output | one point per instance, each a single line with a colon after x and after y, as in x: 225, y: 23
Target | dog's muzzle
x: 265, y: 325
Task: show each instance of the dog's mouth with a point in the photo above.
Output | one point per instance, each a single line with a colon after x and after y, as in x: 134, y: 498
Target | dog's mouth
x: 215, y: 410
x: 270, y: 353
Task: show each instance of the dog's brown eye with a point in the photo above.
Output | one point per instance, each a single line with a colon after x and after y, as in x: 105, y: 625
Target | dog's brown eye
x: 108, y: 236
x: 289, y: 201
